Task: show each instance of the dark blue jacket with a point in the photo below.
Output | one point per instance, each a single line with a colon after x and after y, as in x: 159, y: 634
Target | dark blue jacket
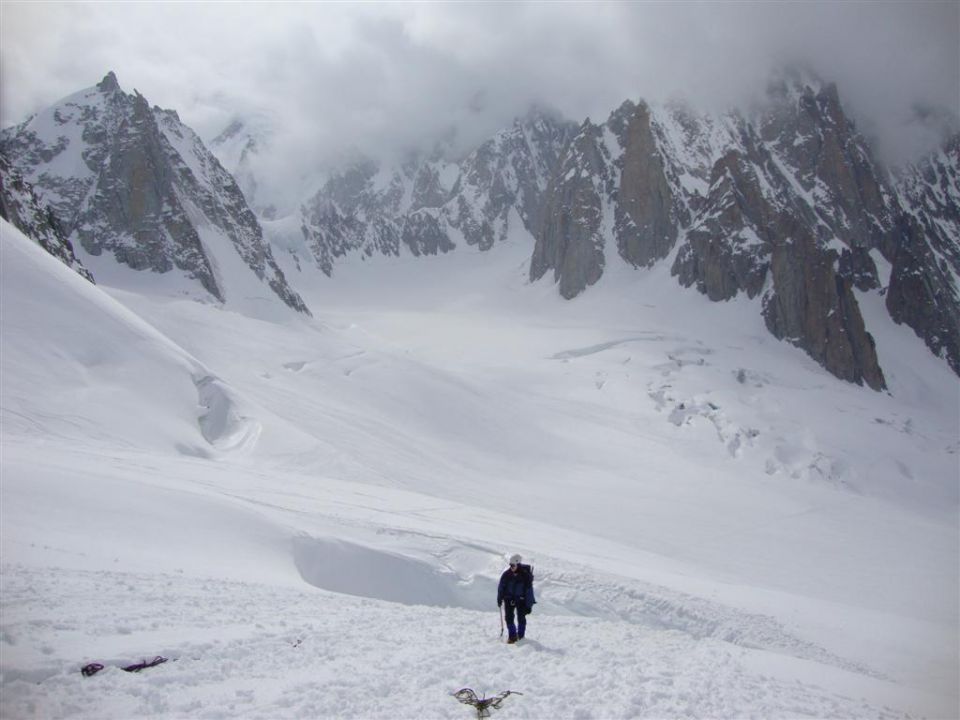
x: 517, y: 587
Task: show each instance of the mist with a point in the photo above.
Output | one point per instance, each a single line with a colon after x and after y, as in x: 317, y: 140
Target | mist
x: 331, y: 79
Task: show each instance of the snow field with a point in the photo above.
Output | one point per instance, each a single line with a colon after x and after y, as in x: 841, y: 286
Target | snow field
x: 263, y: 651
x: 719, y: 527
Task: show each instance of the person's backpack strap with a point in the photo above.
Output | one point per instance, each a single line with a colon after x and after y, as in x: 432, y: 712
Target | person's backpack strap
x: 531, y: 598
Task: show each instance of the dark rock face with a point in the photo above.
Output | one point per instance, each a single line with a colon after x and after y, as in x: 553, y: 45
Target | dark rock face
x: 728, y: 250
x: 814, y: 308
x: 571, y: 238
x: 424, y: 233
x: 20, y: 206
x: 808, y: 131
x: 753, y: 232
x: 646, y: 219
x: 923, y: 295
x: 134, y: 182
x: 134, y: 211
x: 923, y: 292
x: 510, y: 171
x: 344, y: 218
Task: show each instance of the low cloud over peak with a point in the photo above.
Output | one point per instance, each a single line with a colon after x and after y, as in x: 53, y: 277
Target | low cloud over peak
x: 383, y: 77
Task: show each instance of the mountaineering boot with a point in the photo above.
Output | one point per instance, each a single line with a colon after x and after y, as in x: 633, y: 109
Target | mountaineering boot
x: 511, y: 640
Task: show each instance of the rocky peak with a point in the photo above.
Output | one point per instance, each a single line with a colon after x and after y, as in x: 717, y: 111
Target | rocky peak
x: 808, y: 132
x: 427, y: 204
x: 811, y: 306
x: 786, y: 202
x: 924, y: 283
x: 571, y: 238
x: 133, y: 183
x: 647, y: 218
x: 783, y: 202
x: 109, y: 83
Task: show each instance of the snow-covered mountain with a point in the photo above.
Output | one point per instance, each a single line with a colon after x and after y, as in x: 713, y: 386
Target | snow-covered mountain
x: 430, y: 204
x: 740, y: 211
x: 783, y: 202
x: 925, y: 280
x: 133, y: 183
x: 236, y: 147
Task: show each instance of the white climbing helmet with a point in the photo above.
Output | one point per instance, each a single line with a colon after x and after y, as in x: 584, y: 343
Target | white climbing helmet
x: 515, y: 559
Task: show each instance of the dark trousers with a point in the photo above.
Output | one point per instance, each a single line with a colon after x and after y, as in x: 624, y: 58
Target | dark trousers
x: 516, y: 631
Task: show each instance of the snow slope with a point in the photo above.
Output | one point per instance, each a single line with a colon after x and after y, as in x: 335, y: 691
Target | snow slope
x: 309, y: 515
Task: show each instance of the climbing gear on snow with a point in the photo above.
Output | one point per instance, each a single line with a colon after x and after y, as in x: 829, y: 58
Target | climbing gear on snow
x: 94, y: 668
x: 484, y: 704
x: 158, y: 660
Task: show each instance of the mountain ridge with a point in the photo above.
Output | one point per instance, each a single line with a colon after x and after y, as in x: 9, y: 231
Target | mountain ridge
x: 133, y: 182
x: 783, y: 202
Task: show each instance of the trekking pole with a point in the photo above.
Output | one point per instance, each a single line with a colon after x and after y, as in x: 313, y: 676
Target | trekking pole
x: 500, y: 614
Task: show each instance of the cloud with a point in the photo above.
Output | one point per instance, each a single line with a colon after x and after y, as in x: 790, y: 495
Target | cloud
x: 381, y: 77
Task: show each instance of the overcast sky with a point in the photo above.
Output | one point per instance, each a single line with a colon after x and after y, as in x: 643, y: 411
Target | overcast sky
x: 377, y: 76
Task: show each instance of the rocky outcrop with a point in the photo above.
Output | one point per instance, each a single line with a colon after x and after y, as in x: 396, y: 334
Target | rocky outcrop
x: 349, y: 216
x: 133, y: 210
x: 810, y: 305
x: 752, y: 234
x: 647, y: 215
x: 805, y: 128
x: 429, y: 204
x: 572, y: 235
x: 20, y: 206
x: 728, y: 250
x: 923, y: 287
x: 510, y: 171
x: 786, y: 202
x: 133, y: 182
x: 424, y: 233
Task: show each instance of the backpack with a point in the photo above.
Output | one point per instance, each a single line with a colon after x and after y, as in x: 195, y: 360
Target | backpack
x: 527, y: 572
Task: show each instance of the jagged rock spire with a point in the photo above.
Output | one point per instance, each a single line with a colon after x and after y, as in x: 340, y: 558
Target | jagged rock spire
x: 134, y: 183
x: 109, y: 83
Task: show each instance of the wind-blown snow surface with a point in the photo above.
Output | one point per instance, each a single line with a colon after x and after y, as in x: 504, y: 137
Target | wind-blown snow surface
x: 309, y: 516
